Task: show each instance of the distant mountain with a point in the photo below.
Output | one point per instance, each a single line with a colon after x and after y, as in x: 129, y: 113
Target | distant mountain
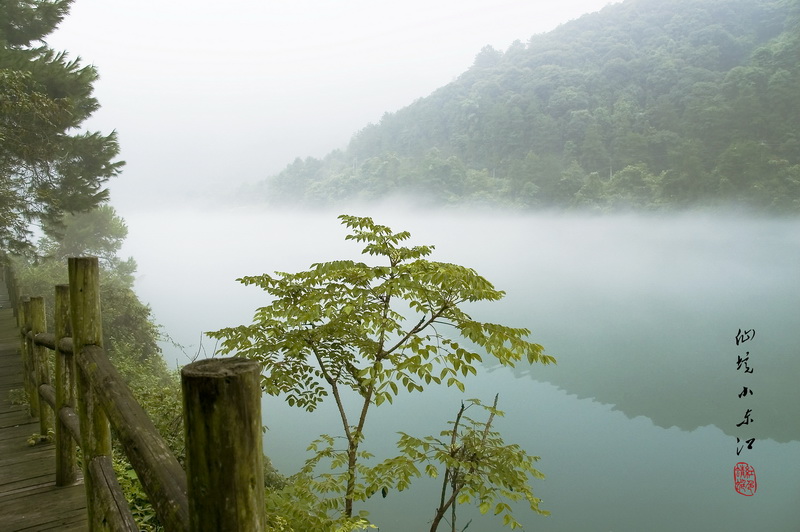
x: 647, y: 104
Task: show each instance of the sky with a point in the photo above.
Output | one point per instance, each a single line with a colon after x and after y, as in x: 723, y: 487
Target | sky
x: 207, y: 95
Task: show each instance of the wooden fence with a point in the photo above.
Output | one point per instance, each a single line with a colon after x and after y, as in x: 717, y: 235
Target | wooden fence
x: 222, y: 487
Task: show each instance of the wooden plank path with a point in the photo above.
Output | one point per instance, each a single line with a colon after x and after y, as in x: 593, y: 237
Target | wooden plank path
x: 29, y: 499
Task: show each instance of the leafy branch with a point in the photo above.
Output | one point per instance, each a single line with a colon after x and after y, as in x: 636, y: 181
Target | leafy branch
x: 348, y: 327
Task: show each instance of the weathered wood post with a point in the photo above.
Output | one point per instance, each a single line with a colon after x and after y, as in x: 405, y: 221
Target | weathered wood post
x: 66, y: 460
x: 23, y: 320
x: 224, y: 457
x: 41, y: 367
x: 86, y: 321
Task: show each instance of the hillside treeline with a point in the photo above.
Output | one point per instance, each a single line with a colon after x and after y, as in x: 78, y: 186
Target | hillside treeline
x: 646, y: 104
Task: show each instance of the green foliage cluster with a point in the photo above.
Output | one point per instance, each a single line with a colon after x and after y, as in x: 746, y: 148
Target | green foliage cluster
x: 46, y: 169
x: 140, y: 506
x: 128, y: 328
x: 647, y: 104
x: 478, y: 466
x: 363, y: 334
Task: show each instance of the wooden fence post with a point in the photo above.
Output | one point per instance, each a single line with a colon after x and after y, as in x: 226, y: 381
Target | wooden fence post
x: 224, y: 457
x: 23, y: 320
x: 41, y: 366
x: 84, y: 296
x: 66, y: 462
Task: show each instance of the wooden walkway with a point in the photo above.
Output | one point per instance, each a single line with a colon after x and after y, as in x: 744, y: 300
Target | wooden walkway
x: 29, y: 499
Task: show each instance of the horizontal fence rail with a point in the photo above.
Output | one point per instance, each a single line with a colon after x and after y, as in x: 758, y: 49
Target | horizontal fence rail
x: 222, y: 488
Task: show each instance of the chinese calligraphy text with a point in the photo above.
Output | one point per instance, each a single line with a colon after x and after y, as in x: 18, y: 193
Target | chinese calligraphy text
x: 744, y: 475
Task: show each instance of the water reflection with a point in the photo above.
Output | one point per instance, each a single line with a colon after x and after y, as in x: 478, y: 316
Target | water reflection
x: 636, y: 423
x: 660, y: 343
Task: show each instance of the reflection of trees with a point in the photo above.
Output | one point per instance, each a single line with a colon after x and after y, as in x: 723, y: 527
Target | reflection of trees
x: 679, y: 373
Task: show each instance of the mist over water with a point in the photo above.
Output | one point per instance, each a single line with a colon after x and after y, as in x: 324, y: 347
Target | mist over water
x: 636, y: 425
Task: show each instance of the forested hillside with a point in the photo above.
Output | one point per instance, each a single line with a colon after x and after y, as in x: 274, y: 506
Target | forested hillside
x: 647, y: 104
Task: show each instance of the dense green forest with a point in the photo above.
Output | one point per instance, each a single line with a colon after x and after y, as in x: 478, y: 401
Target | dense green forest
x: 647, y: 104
x: 49, y: 165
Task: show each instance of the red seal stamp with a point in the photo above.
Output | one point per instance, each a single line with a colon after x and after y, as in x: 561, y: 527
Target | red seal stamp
x: 744, y: 479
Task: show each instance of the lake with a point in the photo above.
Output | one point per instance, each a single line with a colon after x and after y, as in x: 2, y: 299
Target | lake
x: 636, y: 425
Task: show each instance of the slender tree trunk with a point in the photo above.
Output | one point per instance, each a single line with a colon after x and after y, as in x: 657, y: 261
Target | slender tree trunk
x: 452, y: 476
x: 352, y: 452
x: 441, y: 511
x: 351, y: 480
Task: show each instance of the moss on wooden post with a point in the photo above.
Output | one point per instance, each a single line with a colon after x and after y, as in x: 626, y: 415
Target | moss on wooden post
x: 23, y: 320
x: 86, y: 320
x: 66, y: 463
x: 41, y: 367
x: 224, y: 457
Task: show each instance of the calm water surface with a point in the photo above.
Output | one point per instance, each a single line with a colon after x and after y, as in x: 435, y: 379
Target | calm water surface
x: 637, y: 424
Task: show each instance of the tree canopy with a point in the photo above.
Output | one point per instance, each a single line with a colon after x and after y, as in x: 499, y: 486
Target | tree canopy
x: 48, y: 165
x: 647, y: 104
x: 372, y: 332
